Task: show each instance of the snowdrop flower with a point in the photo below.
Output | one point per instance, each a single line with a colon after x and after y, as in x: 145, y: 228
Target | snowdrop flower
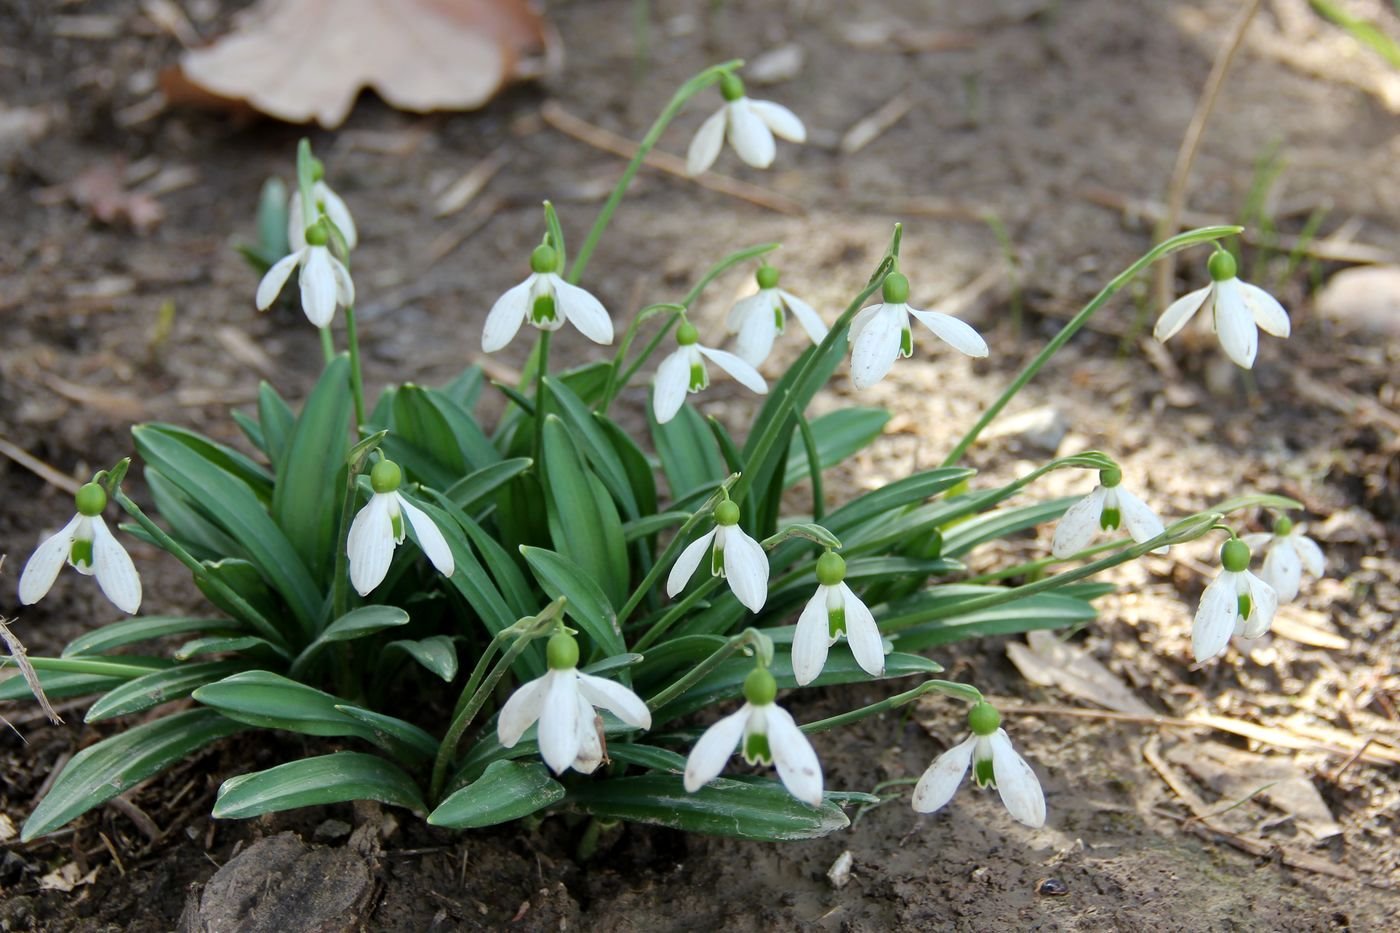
x: 1108, y: 506
x: 325, y: 282
x: 880, y: 333
x: 327, y: 202
x: 736, y: 557
x: 832, y: 612
x: 87, y: 545
x: 759, y: 318
x: 749, y: 125
x: 563, y: 701
x: 994, y: 764
x: 546, y: 301
x: 1235, y: 603
x: 1288, y: 552
x: 766, y: 734
x: 379, y: 527
x: 684, y: 371
x: 1238, y: 310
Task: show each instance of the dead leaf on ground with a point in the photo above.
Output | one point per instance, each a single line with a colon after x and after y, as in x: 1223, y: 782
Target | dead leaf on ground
x: 67, y: 877
x: 102, y: 191
x: 1050, y: 662
x: 1236, y: 774
x: 299, y: 60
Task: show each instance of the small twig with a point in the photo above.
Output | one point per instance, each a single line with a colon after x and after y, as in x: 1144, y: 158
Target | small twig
x: 138, y: 817
x: 462, y: 191
x: 1336, y: 776
x: 39, y: 468
x: 872, y: 126
x: 599, y: 138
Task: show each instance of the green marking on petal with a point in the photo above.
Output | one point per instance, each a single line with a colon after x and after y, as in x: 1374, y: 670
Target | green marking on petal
x: 80, y: 555
x: 756, y: 750
x: 699, y: 378
x: 543, y: 310
x: 396, y: 524
x: 1110, y: 519
x: 906, y: 343
x: 778, y: 317
x: 1245, y: 605
x: 983, y: 773
x: 717, y: 561
x: 836, y: 621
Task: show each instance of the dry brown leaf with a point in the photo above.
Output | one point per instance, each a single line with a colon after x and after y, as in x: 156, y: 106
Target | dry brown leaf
x: 102, y: 191
x: 1050, y: 662
x: 1235, y: 774
x: 299, y: 60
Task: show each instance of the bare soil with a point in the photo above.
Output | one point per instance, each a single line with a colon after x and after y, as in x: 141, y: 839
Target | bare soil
x: 1026, y: 112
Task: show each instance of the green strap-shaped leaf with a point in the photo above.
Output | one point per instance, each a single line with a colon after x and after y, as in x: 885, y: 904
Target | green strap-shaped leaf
x: 932, y: 618
x: 311, y: 782
x: 102, y: 771
x: 839, y: 434
x: 159, y: 687
x: 405, y: 740
x: 596, y: 446
x: 469, y: 491
x: 223, y: 644
x: 245, y: 579
x: 262, y: 698
x: 585, y: 602
x: 438, y: 653
x: 144, y: 628
x: 473, y: 442
x: 277, y: 420
x: 465, y: 390
x: 507, y: 790
x: 641, y: 473
x: 689, y: 457
x: 188, y: 524
x: 253, y: 474
x: 583, y: 522
x: 309, y: 492
x: 967, y: 535
x: 418, y: 422
x: 58, y: 685
x: 366, y: 620
x: 744, y: 809
x: 250, y: 428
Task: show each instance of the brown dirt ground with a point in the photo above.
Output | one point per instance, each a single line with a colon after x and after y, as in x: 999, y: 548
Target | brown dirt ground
x: 1027, y: 108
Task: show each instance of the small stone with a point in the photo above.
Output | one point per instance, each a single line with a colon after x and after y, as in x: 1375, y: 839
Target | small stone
x: 1051, y: 887
x: 1364, y: 297
x: 1042, y: 428
x: 776, y: 65
x: 331, y: 830
x: 839, y: 874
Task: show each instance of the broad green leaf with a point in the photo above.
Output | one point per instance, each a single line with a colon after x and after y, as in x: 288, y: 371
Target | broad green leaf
x: 892, y: 497
x: 967, y: 535
x: 309, y: 782
x: 144, y: 628
x: 744, y: 809
x: 507, y: 790
x: 640, y: 472
x: 583, y: 521
x: 437, y: 653
x: 465, y: 390
x: 677, y: 653
x: 58, y: 685
x: 250, y: 428
x: 595, y: 445
x: 366, y: 620
x: 649, y: 525
x: 244, y: 579
x: 102, y: 771
x: 585, y: 603
x: 417, y: 421
x: 225, y: 644
x: 469, y: 491
x: 309, y: 484
x: 647, y: 756
x: 688, y: 453
x: 505, y: 570
x: 158, y: 687
x: 839, y: 434
x: 405, y: 740
x: 187, y: 522
x: 932, y: 618
x: 262, y: 698
x: 474, y: 443
x: 125, y: 666
x: 253, y: 474
x: 276, y: 419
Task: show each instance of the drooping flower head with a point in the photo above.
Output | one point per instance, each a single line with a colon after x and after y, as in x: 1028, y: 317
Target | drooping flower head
x: 749, y: 125
x: 994, y: 764
x: 546, y: 301
x: 380, y: 527
x: 1237, y: 311
x: 563, y: 700
x: 765, y: 734
x: 880, y: 333
x: 835, y: 610
x: 325, y: 282
x: 327, y: 203
x: 1287, y: 552
x: 684, y: 371
x: 1235, y: 603
x: 88, y: 547
x: 738, y: 558
x: 1107, y: 507
x: 758, y: 319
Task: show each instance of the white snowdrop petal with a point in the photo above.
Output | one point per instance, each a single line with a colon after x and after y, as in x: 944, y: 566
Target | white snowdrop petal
x: 1264, y: 308
x: 1283, y: 570
x: 1078, y: 525
x: 1234, y: 324
x: 806, y: 315
x: 794, y: 757
x: 670, y: 385
x: 116, y: 574
x: 684, y: 567
x: 710, y: 754
x: 742, y: 372
x: 1256, y: 540
x: 757, y: 331
x: 746, y: 568
x: 863, y: 634
x: 338, y: 213
x: 318, y: 286
x: 1215, y: 618
x: 749, y: 135
x: 617, y: 699
x: 273, y: 280
x: 705, y: 146
x: 344, y: 285
x: 44, y: 564
x: 559, y: 721
x: 430, y: 539
x: 590, y: 745
x: 1019, y: 787
x: 370, y: 544
x: 1142, y: 523
x: 521, y: 710
x: 1311, y: 554
x: 956, y: 333
x: 580, y: 308
x: 759, y: 303
x: 780, y: 120
x: 1178, y: 313
x: 810, y: 641
x: 296, y: 226
x: 876, y: 346
x: 1263, y: 602
x: 942, y: 778
x: 862, y: 318
x: 506, y: 316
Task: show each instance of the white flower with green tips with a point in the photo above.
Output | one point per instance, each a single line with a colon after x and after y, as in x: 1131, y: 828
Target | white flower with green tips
x: 1286, y: 553
x: 749, y: 125
x: 563, y: 702
x: 1235, y: 603
x: 548, y: 302
x: 328, y: 203
x: 764, y: 733
x: 325, y: 282
x: 835, y: 610
x: 684, y: 371
x: 1107, y: 507
x: 880, y: 333
x: 380, y: 527
x: 759, y: 319
x: 735, y: 556
x: 88, y: 547
x: 1238, y: 311
x: 994, y: 764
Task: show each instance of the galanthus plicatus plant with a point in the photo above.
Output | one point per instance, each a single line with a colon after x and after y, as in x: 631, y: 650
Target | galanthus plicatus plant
x: 481, y: 622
